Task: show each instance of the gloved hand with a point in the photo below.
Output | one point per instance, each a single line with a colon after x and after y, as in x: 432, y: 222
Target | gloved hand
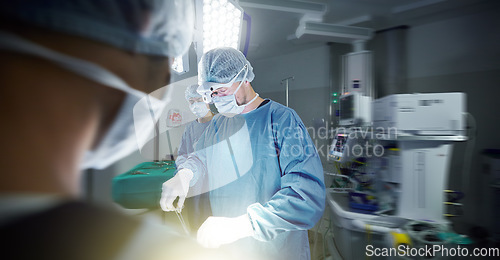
x: 177, y: 186
x: 217, y: 231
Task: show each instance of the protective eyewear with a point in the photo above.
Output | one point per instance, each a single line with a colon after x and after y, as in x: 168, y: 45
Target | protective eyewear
x: 207, y: 89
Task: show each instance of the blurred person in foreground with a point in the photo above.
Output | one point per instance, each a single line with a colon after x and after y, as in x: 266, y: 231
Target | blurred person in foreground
x: 74, y: 81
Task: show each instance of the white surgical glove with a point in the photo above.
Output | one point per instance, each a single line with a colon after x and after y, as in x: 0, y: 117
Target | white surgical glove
x: 176, y: 186
x: 217, y: 231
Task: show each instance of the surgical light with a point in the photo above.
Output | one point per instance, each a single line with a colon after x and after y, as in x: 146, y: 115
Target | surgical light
x: 221, y: 24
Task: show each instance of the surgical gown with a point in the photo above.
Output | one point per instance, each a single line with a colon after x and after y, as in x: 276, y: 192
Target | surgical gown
x: 192, y: 133
x: 197, y: 204
x: 264, y: 164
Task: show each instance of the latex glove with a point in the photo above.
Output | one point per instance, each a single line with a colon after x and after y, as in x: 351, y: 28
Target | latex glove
x: 217, y: 231
x: 176, y: 186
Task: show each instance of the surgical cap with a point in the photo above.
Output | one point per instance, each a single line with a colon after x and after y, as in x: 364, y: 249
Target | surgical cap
x: 152, y: 27
x: 191, y: 92
x: 220, y: 65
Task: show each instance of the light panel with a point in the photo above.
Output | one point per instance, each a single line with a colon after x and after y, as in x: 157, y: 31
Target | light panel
x: 221, y: 24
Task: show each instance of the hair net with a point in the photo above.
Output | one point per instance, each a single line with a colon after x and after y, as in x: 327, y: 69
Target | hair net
x: 191, y: 92
x: 220, y: 65
x: 153, y: 27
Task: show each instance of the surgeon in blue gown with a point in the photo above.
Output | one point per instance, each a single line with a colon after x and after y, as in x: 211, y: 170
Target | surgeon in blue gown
x: 198, y: 205
x: 265, y: 175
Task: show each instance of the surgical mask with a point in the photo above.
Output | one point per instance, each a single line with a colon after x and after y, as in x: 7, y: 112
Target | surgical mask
x: 227, y: 105
x: 138, y: 111
x: 199, y: 109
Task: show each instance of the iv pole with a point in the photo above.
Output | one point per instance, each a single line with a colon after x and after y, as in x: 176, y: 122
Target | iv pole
x: 286, y: 86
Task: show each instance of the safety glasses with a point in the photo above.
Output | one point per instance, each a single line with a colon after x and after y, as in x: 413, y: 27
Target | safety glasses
x: 206, y: 89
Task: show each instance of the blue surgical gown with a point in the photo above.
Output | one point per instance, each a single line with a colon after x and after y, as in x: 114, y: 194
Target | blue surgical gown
x: 192, y: 133
x: 198, y: 203
x: 263, y: 163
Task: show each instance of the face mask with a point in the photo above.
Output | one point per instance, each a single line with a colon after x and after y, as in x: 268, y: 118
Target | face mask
x: 138, y: 111
x: 199, y: 109
x: 227, y: 105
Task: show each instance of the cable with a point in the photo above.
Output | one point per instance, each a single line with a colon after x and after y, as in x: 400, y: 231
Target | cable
x: 314, y: 252
x: 324, y: 239
x: 348, y: 185
x: 337, y: 166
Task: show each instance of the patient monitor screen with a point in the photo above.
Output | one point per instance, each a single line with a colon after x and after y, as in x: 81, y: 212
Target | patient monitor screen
x: 338, y: 146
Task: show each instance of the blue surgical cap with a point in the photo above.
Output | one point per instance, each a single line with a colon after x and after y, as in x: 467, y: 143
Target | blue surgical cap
x: 152, y: 27
x: 220, y: 65
x: 191, y: 92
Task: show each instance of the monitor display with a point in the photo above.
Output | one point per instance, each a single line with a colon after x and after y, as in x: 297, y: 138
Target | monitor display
x: 338, y: 146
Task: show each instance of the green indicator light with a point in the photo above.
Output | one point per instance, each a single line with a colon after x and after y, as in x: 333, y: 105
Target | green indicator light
x: 335, y: 101
x: 335, y: 94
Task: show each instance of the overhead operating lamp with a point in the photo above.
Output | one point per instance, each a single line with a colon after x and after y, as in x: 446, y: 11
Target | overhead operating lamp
x: 219, y: 26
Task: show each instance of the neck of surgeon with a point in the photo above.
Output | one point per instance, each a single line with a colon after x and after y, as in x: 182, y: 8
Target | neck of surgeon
x: 247, y: 97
